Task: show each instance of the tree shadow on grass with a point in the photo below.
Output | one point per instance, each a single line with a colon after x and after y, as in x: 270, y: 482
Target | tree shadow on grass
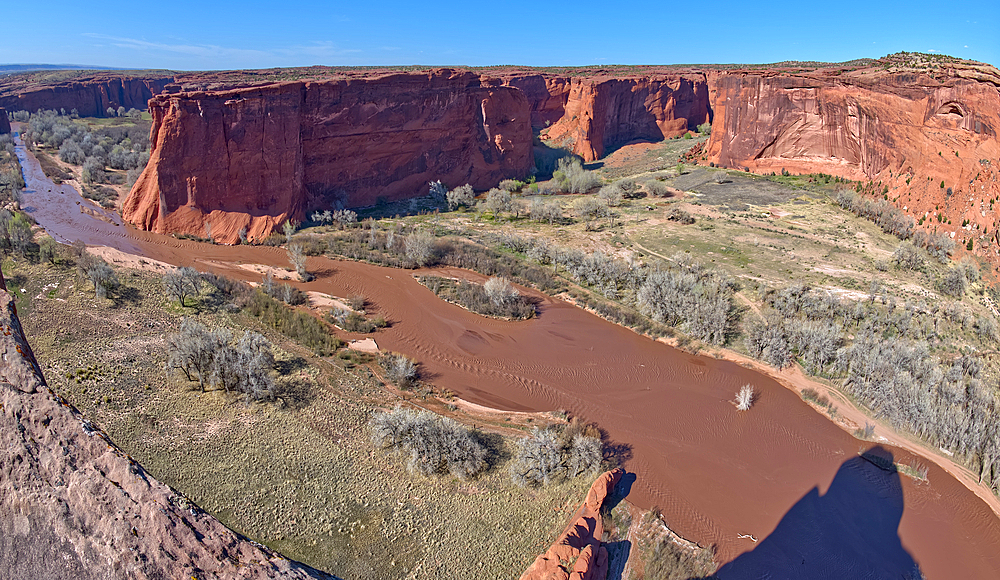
x: 126, y: 295
x: 295, y: 394
x: 851, y: 531
x: 496, y: 452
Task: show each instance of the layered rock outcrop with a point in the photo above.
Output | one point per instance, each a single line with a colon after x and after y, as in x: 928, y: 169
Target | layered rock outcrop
x: 74, y: 506
x: 4, y: 121
x: 578, y: 554
x: 252, y: 158
x: 590, y: 114
x: 926, y: 139
x: 90, y: 94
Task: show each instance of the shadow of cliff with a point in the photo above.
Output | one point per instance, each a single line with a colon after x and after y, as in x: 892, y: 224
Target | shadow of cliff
x: 851, y: 531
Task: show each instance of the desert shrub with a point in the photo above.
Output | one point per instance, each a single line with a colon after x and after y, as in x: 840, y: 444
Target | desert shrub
x: 571, y: 177
x: 538, y: 460
x: 499, y: 299
x: 907, y: 257
x: 697, y: 299
x: 233, y: 289
x: 284, y: 292
x: 986, y: 329
x: 462, y: 196
x: 971, y: 270
x: 590, y: 208
x: 888, y: 217
x: 705, y: 128
x: 511, y: 185
x: 299, y: 326
x: 656, y: 188
x: 312, y: 245
x: 816, y: 342
x: 354, y: 321
x: 103, y: 195
x: 667, y: 560
x: 434, y: 444
x: 676, y: 214
x: 954, y: 282
x: 545, y: 211
x: 400, y: 370
x: 419, y: 247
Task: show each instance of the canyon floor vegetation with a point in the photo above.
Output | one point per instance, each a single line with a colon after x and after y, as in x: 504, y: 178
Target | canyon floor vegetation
x: 283, y: 453
x: 788, y: 269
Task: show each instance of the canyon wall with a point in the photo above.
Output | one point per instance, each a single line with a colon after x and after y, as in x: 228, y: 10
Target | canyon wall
x: 4, y: 121
x: 927, y: 140
x: 74, y: 506
x: 90, y: 95
x: 591, y: 114
x: 254, y: 157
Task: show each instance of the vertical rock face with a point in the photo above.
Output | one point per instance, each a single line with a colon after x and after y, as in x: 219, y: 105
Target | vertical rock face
x: 74, y: 506
x: 4, y: 121
x: 580, y: 541
x: 589, y: 115
x: 90, y: 96
x: 907, y: 132
x: 252, y: 158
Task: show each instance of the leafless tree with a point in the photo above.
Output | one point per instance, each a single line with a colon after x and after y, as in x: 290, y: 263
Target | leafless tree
x: 181, y: 283
x: 297, y: 256
x: 434, y: 444
x: 462, y: 196
x: 419, y: 247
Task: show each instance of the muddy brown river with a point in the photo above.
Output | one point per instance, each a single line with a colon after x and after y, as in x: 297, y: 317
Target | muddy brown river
x: 780, y: 474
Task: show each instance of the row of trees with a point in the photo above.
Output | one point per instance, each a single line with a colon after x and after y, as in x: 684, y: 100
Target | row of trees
x: 679, y: 293
x: 893, y: 221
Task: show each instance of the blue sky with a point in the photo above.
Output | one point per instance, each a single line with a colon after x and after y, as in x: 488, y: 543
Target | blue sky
x: 184, y: 35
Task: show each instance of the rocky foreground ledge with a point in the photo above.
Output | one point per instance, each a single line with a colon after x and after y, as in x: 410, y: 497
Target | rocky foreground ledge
x: 74, y: 506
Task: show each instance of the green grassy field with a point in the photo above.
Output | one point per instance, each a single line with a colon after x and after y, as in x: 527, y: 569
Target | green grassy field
x: 299, y: 474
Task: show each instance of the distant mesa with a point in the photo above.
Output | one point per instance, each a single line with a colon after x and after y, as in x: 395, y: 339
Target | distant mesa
x: 254, y: 148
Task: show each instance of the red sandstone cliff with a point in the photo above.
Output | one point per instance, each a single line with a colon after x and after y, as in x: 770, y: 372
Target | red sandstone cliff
x: 74, y: 506
x: 577, y: 553
x: 590, y: 114
x: 89, y: 93
x: 255, y: 157
x: 4, y: 122
x: 908, y: 130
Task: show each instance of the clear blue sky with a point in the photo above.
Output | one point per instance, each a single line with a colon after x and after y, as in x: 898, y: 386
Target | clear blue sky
x: 208, y: 35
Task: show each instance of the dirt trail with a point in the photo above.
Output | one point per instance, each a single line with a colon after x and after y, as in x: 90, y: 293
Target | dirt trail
x: 714, y: 472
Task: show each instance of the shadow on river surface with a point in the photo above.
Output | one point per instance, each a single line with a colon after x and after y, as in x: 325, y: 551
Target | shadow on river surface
x: 851, y: 531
